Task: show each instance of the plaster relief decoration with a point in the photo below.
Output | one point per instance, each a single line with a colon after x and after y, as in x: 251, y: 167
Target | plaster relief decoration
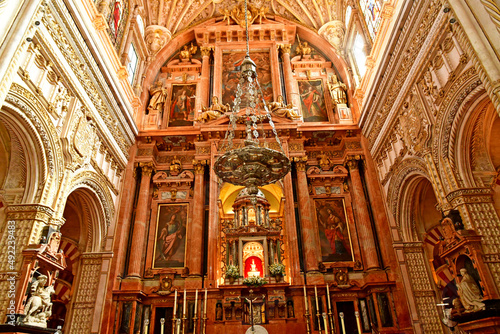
x: 334, y: 33
x: 156, y: 37
x: 182, y: 105
x: 231, y: 64
x: 170, y: 239
x: 413, y: 127
x: 312, y: 100
x: 84, y: 137
x: 333, y: 230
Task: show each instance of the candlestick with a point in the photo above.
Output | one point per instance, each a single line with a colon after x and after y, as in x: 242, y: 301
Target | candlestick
x: 175, y: 303
x: 358, y: 322
x: 205, y: 305
x: 162, y: 325
x: 184, y: 305
x: 317, y: 308
x: 195, y: 302
x: 325, y: 322
x: 328, y: 296
x: 305, y: 299
x: 146, y: 326
x: 341, y: 315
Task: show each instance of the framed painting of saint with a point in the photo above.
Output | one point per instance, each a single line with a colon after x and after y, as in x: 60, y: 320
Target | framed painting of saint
x: 335, y: 240
x: 170, y: 238
x: 312, y: 99
x: 231, y: 62
x: 182, y: 102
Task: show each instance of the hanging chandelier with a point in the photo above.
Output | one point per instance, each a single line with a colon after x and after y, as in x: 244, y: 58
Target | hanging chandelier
x: 255, y: 164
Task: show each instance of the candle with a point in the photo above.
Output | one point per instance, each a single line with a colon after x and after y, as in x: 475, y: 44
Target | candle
x: 146, y: 327
x: 175, y: 303
x: 305, y: 298
x: 328, y: 298
x: 205, y: 305
x: 358, y: 321
x: 196, y: 303
x: 162, y: 322
x: 341, y: 315
x: 184, y: 305
x: 326, y: 322
x: 316, y: 296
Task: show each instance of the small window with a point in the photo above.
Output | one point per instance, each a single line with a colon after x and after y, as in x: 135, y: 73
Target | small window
x: 359, y: 55
x: 348, y: 13
x: 371, y: 12
x: 132, y: 63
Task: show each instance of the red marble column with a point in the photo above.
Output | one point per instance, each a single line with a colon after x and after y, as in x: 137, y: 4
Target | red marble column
x: 139, y: 233
x: 196, y: 242
x: 292, y: 94
x: 363, y: 224
x: 309, y: 244
x: 205, y: 76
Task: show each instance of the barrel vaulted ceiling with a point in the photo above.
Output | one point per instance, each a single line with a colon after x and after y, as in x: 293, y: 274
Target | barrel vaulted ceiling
x: 178, y: 15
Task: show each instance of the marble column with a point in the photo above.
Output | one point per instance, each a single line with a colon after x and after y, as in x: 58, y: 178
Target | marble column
x: 139, y: 233
x: 292, y: 94
x: 205, y: 76
x: 196, y: 242
x: 363, y: 223
x: 309, y: 245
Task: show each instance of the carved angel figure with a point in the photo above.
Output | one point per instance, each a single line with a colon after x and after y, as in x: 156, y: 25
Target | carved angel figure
x: 280, y: 109
x: 215, y: 111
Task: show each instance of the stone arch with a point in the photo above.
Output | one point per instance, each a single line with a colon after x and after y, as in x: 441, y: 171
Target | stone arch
x: 37, y: 135
x: 405, y: 171
x: 98, y: 204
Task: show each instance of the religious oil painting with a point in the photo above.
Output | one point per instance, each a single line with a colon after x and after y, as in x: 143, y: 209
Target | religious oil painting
x: 231, y: 66
x: 170, y: 239
x: 312, y: 100
x: 182, y: 105
x: 334, y: 235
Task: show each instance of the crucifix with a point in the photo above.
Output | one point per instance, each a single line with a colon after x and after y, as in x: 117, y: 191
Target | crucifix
x: 251, y: 302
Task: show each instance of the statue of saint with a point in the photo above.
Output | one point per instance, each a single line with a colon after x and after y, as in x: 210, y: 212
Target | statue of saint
x: 39, y: 306
x: 186, y: 53
x: 253, y: 272
x: 337, y: 91
x: 158, y: 95
x: 280, y: 109
x: 469, y: 292
x: 303, y: 49
x: 215, y: 111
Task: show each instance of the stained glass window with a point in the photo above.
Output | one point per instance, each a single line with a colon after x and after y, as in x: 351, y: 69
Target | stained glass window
x: 132, y: 63
x: 371, y: 12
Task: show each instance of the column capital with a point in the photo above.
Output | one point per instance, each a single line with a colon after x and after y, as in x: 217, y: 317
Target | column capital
x: 147, y: 168
x: 199, y: 166
x: 285, y: 48
x: 300, y: 163
x: 205, y: 50
x: 352, y: 161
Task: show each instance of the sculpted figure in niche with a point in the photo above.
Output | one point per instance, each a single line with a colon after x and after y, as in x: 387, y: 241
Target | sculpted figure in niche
x: 215, y: 111
x: 158, y: 95
x: 469, y: 292
x: 280, y: 109
x: 337, y: 91
x: 39, y: 306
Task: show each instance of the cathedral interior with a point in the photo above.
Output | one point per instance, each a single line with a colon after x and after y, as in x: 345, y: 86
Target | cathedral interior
x: 258, y: 166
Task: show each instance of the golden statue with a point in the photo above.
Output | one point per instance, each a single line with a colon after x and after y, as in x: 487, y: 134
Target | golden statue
x: 158, y: 94
x: 303, y: 49
x: 186, y: 53
x: 337, y: 91
x: 280, y: 109
x: 215, y: 111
